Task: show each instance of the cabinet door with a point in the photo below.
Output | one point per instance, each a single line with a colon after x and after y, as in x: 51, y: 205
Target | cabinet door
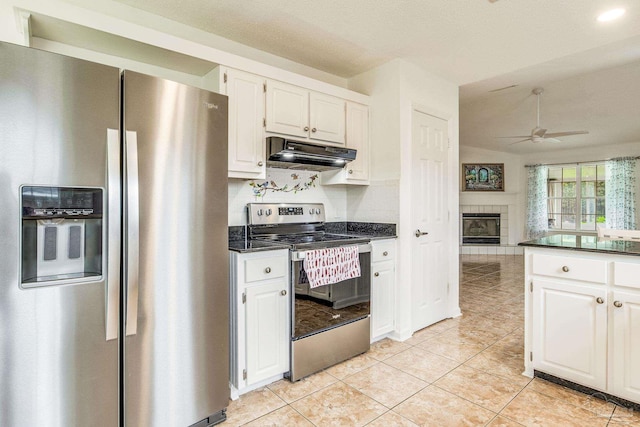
x: 327, y: 118
x: 358, y: 139
x: 267, y: 330
x: 626, y: 345
x: 570, y: 332
x: 287, y: 109
x: 382, y: 297
x: 246, y: 132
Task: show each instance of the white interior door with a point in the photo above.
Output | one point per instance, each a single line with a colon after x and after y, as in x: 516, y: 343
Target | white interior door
x: 430, y: 265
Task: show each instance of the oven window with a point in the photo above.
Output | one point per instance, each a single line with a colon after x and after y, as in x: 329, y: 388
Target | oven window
x: 325, y: 307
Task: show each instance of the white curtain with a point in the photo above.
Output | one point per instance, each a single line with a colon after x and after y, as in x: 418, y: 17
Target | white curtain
x: 620, y: 193
x: 537, y: 213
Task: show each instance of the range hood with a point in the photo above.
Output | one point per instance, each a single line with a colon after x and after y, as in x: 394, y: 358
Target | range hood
x: 289, y: 154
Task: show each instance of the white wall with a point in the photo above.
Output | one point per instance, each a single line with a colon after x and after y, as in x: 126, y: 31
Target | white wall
x: 395, y: 90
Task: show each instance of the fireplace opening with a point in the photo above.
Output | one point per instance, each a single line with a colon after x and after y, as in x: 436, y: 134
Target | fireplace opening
x: 481, y: 228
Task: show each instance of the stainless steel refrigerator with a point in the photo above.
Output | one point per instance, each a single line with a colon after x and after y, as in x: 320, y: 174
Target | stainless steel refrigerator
x: 113, y: 246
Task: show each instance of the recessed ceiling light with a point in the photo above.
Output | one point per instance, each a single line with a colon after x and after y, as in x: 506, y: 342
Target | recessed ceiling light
x: 610, y: 15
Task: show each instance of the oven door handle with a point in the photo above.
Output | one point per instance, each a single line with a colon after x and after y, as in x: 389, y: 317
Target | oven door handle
x: 300, y: 255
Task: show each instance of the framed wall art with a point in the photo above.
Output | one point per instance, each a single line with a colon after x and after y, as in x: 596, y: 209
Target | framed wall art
x: 483, y: 177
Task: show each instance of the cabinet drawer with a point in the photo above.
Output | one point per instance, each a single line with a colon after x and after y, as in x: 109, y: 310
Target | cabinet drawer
x: 566, y: 267
x: 265, y: 268
x: 626, y: 274
x: 383, y: 251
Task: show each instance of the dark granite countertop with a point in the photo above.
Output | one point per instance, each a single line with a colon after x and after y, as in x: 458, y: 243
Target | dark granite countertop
x: 585, y: 243
x: 254, y: 246
x: 371, y: 230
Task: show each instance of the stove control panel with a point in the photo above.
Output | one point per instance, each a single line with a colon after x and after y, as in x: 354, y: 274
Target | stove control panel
x: 284, y: 213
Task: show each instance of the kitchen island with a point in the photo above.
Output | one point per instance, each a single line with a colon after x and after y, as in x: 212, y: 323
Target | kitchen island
x: 582, y: 315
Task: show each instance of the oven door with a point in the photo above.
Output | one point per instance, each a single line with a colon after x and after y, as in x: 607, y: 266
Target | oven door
x: 325, y: 307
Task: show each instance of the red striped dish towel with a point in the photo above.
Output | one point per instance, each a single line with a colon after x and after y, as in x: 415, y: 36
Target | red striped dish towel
x: 331, y: 265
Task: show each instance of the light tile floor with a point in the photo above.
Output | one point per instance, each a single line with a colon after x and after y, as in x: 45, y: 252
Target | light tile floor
x: 459, y: 372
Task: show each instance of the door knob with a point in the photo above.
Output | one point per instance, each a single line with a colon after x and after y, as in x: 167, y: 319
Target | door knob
x: 283, y: 292
x: 421, y: 233
x: 313, y: 130
x: 565, y: 268
x: 267, y: 270
x: 599, y: 300
x: 306, y: 128
x: 376, y: 274
x: 385, y: 253
x: 617, y: 304
x: 260, y: 163
x: 350, y: 171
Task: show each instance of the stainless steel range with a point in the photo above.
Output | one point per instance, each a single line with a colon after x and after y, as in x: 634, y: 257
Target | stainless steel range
x: 329, y: 323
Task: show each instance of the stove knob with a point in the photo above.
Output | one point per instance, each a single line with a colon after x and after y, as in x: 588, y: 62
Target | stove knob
x: 318, y: 211
x: 311, y: 211
x: 259, y: 212
x: 268, y: 212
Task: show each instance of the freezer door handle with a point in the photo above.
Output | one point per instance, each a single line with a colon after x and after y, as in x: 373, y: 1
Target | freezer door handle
x: 133, y: 232
x: 112, y: 284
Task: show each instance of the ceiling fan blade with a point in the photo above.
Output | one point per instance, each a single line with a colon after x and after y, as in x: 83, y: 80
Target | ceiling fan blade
x: 514, y: 136
x: 518, y: 142
x: 568, y: 133
x: 553, y: 140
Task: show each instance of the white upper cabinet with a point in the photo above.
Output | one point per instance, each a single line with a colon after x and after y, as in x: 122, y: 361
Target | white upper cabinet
x: 357, y: 137
x: 246, y: 130
x: 292, y: 110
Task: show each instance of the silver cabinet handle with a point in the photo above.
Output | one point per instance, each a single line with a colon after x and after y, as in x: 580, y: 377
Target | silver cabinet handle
x: 565, y: 268
x: 132, y: 225
x: 267, y: 270
x: 260, y: 163
x: 617, y: 304
x: 283, y: 292
x: 313, y: 130
x: 599, y: 300
x: 376, y: 274
x: 421, y: 233
x: 112, y: 300
x: 306, y: 128
x: 350, y: 171
x: 385, y: 253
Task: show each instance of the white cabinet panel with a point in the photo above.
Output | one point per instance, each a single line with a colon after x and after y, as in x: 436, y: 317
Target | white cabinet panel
x: 570, y: 332
x: 570, y: 267
x: 287, y: 109
x: 266, y: 268
x: 383, y: 284
x: 267, y: 337
x: 295, y: 111
x: 626, y: 274
x: 326, y: 118
x: 626, y: 345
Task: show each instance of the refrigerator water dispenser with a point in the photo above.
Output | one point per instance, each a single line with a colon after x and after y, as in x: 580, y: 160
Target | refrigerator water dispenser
x: 61, y: 235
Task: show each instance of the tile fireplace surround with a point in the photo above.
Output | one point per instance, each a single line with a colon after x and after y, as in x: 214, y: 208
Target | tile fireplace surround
x: 504, y: 248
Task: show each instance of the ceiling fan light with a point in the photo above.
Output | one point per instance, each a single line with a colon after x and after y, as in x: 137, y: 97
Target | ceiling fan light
x: 610, y: 15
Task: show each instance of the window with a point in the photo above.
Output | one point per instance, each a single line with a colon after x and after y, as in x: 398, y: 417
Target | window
x: 576, y: 197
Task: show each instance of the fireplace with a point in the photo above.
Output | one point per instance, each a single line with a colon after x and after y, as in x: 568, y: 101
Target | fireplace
x: 481, y: 228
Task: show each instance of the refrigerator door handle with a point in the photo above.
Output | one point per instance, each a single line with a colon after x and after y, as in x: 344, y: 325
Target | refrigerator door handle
x: 112, y: 300
x: 133, y: 232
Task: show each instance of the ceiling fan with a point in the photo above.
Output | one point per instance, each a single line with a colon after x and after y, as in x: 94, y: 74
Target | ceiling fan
x: 539, y: 134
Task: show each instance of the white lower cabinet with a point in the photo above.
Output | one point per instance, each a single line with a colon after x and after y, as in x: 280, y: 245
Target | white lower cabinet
x: 383, y: 281
x: 260, y: 303
x: 582, y: 319
x: 570, y: 332
x: 625, y: 381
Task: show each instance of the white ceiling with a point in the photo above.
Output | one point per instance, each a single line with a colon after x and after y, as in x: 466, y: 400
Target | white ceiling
x: 478, y: 44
